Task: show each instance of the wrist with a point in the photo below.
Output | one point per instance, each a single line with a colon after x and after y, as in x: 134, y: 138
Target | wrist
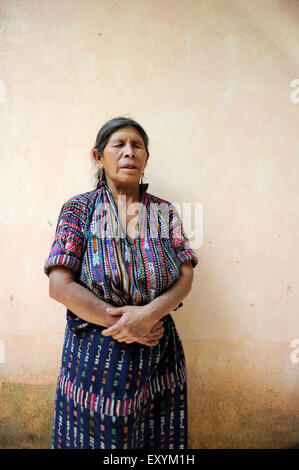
x: 154, y: 311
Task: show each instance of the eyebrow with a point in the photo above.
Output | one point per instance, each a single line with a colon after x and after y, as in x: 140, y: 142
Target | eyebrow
x: 120, y: 139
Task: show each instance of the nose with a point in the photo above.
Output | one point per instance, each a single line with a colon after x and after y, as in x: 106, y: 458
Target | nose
x: 128, y: 150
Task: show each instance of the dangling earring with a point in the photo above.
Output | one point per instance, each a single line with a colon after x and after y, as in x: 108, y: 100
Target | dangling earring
x: 142, y: 177
x: 103, y: 176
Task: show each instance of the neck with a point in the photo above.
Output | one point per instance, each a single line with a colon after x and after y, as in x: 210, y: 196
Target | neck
x: 131, y: 192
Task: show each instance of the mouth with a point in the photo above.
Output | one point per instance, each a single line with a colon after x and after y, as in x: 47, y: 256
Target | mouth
x: 129, y: 168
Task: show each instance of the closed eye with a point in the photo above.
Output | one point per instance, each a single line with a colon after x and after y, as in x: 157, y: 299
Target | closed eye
x: 135, y: 145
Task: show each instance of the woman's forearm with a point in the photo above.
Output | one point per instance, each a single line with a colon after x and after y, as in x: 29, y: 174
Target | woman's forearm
x: 166, y: 302
x: 83, y: 303
x: 87, y: 306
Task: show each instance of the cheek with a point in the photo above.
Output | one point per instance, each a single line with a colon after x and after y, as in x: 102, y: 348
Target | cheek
x: 145, y: 161
x: 110, y: 162
x: 110, y: 167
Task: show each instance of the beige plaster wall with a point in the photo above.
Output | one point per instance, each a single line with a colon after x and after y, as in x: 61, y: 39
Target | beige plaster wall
x: 211, y: 83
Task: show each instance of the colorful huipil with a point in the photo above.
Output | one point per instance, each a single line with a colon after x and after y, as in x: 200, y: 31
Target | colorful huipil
x: 110, y: 394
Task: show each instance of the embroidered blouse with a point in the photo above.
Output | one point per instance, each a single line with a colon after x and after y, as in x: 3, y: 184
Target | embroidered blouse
x: 91, y: 240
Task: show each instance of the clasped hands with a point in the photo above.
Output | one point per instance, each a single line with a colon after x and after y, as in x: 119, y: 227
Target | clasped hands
x: 134, y: 324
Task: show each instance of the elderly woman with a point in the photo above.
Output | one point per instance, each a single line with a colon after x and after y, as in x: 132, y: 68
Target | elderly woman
x: 122, y: 381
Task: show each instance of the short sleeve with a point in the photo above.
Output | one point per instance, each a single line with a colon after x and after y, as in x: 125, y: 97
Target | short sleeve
x: 179, y: 239
x: 69, y: 242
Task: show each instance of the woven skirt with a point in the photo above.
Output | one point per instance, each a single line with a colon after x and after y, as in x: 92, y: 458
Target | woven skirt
x: 113, y: 395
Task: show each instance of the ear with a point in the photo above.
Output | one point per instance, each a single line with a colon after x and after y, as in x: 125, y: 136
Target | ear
x: 98, y: 159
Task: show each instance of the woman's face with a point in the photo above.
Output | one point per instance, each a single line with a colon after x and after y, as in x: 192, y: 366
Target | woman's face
x: 125, y: 148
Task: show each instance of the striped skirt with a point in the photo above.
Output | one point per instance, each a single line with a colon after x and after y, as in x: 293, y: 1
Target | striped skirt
x: 113, y: 395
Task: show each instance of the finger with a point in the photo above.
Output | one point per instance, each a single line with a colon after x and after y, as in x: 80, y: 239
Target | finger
x: 150, y: 343
x: 157, y: 328
x: 159, y: 324
x: 154, y: 339
x: 150, y: 338
x: 112, y: 330
x: 114, y: 310
x: 157, y: 331
x: 155, y: 335
x: 122, y: 338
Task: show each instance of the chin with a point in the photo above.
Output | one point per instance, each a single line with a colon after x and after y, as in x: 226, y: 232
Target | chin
x: 130, y: 178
